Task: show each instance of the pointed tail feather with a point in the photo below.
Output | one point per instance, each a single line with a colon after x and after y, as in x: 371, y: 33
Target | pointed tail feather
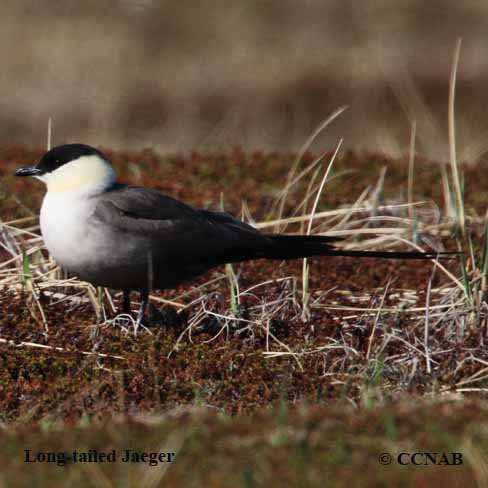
x: 393, y: 254
x: 299, y: 246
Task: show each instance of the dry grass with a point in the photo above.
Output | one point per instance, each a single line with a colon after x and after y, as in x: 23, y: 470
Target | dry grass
x: 173, y: 77
x: 334, y: 331
x: 394, y: 322
x: 281, y: 447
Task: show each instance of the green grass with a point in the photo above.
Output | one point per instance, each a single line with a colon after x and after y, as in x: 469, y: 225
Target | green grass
x: 306, y: 446
x: 273, y: 400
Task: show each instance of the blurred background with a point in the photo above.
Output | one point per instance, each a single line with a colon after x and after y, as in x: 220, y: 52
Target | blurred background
x: 207, y: 76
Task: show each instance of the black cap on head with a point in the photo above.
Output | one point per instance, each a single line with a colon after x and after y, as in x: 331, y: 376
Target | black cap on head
x: 60, y: 155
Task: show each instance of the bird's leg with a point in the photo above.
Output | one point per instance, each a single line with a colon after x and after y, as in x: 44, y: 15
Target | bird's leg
x: 126, y: 305
x: 144, y: 294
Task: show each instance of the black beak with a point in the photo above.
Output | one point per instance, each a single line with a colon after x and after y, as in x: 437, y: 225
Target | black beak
x: 28, y: 171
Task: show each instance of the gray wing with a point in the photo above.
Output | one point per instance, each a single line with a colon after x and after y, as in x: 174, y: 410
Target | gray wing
x: 180, y: 233
x: 162, y: 238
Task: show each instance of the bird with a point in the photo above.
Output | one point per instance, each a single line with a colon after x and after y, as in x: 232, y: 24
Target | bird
x: 133, y: 238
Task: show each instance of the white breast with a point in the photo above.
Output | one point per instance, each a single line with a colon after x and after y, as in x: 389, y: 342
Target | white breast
x: 65, y: 229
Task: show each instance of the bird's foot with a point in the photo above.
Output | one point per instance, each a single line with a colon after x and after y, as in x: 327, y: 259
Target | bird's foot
x: 144, y: 294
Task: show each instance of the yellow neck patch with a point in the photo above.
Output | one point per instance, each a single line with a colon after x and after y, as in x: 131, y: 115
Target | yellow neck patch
x: 83, y: 174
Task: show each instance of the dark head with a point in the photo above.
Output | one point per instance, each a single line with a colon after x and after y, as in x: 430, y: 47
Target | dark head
x: 72, y: 167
